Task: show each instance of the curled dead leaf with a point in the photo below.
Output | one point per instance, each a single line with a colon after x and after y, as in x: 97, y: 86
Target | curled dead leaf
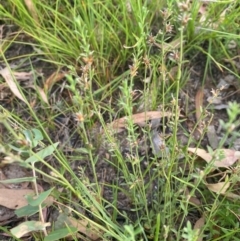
x: 52, y: 79
x: 10, y: 80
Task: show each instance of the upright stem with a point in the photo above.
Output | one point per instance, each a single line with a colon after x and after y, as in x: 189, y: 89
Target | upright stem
x: 179, y: 74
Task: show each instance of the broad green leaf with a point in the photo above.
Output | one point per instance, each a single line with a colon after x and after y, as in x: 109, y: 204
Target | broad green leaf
x: 43, y: 153
x: 33, y: 135
x: 27, y: 211
x: 39, y: 199
x: 27, y: 227
x: 19, y: 180
x: 28, y: 135
x: 37, y: 134
x: 60, y: 233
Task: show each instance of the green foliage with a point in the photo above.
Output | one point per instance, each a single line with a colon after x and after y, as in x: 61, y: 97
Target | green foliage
x: 112, y: 51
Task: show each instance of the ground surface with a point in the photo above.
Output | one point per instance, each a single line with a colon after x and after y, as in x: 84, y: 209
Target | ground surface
x: 62, y: 127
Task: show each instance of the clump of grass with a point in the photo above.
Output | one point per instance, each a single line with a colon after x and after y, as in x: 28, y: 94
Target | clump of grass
x: 112, y: 51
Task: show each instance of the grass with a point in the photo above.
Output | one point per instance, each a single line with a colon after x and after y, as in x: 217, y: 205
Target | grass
x: 119, y: 58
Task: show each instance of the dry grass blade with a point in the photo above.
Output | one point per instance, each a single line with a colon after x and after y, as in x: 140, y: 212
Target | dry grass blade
x: 32, y: 10
x: 199, y: 103
x: 41, y: 93
x: 52, y: 79
x: 10, y: 80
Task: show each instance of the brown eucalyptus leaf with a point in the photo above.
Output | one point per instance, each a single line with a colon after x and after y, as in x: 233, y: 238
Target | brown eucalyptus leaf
x: 232, y: 195
x: 198, y: 225
x: 140, y: 119
x: 223, y: 157
x: 84, y: 227
x: 14, y: 198
x: 192, y: 199
x: 219, y: 188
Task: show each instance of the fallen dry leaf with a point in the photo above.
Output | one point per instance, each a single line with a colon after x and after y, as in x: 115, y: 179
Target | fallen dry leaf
x: 219, y: 188
x: 84, y: 227
x: 223, y: 157
x: 9, y: 78
x: 23, y: 75
x: 201, y: 153
x: 193, y: 200
x: 29, y: 226
x: 198, y: 225
x: 14, y: 199
x: 232, y: 195
x: 140, y: 119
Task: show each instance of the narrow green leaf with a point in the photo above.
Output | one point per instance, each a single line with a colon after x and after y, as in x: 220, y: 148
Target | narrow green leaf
x: 82, y: 150
x: 20, y: 150
x: 60, y: 233
x: 19, y: 180
x: 39, y: 199
x: 43, y: 153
